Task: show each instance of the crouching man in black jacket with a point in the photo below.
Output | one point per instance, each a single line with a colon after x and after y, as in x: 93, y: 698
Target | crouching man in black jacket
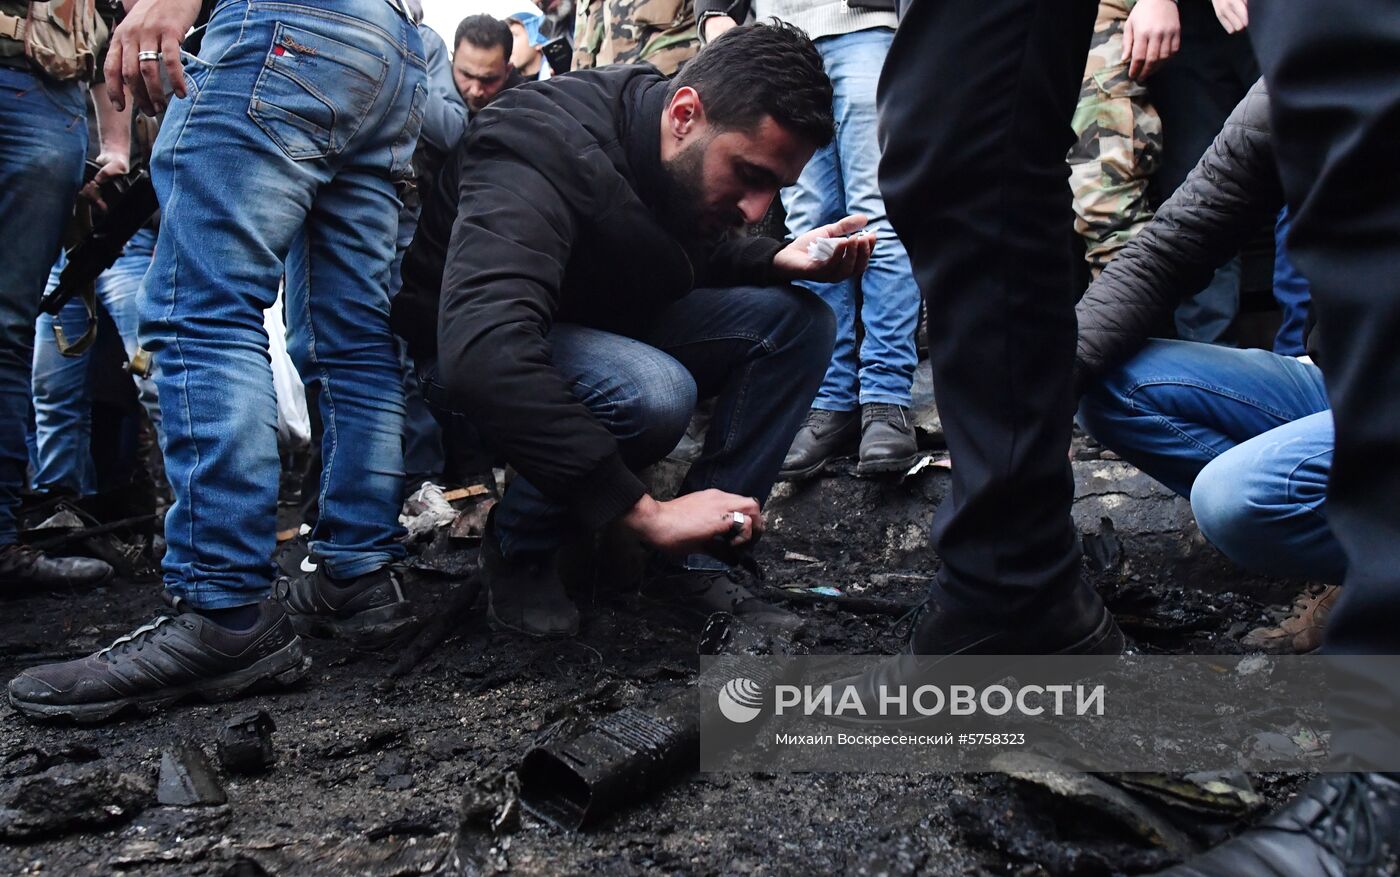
x: 591, y: 293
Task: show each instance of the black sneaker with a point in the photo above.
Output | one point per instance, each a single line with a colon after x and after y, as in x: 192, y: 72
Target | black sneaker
x: 824, y: 435
x: 525, y: 595
x: 1341, y: 825
x: 367, y: 611
x: 693, y: 595
x: 1077, y: 624
x: 22, y: 566
x: 162, y: 662
x: 887, y: 441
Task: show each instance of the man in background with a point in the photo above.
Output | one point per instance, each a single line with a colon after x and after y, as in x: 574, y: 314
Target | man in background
x: 481, y: 64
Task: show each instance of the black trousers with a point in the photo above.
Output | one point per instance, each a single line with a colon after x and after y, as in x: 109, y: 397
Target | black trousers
x: 975, y: 103
x: 1334, y: 82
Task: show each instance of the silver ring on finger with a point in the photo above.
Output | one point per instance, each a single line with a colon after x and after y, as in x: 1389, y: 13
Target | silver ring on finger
x: 149, y: 56
x: 736, y: 525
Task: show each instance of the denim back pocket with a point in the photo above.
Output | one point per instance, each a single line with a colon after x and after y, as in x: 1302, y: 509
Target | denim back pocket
x: 314, y: 92
x: 402, y: 150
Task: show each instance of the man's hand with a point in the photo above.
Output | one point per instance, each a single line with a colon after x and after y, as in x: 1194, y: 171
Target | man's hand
x: 1233, y: 14
x: 110, y: 165
x: 150, y: 26
x: 692, y: 523
x: 1151, y: 35
x: 793, y: 263
x: 715, y: 25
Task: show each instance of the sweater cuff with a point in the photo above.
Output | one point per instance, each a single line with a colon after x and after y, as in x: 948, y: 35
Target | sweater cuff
x: 606, y: 493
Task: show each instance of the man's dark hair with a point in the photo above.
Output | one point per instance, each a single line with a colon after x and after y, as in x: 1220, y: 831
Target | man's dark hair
x: 762, y: 70
x: 485, y: 32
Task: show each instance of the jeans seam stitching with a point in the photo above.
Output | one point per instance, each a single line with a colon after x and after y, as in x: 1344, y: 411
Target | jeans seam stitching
x: 1209, y: 388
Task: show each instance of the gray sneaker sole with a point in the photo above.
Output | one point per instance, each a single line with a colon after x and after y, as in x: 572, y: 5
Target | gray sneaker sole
x: 278, y: 670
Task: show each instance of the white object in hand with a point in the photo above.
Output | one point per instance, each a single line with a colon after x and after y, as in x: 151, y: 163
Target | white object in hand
x: 822, y: 249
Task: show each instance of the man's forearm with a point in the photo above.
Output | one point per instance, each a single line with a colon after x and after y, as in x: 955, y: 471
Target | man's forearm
x: 113, y: 125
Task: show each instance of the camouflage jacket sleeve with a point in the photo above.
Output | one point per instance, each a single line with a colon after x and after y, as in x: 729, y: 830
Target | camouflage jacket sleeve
x: 1230, y: 194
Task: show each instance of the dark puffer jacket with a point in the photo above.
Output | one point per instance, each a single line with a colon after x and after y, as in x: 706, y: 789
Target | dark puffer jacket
x: 1232, y: 191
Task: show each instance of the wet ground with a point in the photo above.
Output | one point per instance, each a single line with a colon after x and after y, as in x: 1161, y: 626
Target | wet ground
x: 410, y: 776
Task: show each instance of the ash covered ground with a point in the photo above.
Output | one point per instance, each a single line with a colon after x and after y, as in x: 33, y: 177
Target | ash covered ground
x: 411, y: 776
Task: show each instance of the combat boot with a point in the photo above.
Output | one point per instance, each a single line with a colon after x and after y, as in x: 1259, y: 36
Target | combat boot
x: 823, y: 435
x: 886, y: 440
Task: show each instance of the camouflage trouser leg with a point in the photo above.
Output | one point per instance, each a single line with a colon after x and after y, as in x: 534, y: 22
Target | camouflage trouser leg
x: 1119, y: 146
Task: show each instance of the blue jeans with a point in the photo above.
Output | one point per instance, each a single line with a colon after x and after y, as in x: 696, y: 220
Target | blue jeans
x: 284, y: 158
x: 1292, y: 292
x: 62, y: 407
x: 761, y: 350
x: 43, y: 142
x: 841, y: 179
x: 1246, y: 434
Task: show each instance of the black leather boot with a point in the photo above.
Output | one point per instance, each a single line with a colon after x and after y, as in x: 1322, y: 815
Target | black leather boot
x: 824, y: 435
x: 886, y: 439
x: 1076, y: 624
x: 1341, y: 825
x: 24, y: 567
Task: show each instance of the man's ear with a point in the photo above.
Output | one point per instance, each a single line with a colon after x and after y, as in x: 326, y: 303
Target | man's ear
x: 685, y: 115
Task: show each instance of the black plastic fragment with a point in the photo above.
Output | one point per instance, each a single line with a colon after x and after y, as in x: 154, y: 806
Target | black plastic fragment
x: 245, y: 743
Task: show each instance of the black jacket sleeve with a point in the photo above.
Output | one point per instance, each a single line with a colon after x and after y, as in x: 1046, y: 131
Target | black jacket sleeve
x: 505, y: 267
x: 1231, y: 192
x: 743, y: 261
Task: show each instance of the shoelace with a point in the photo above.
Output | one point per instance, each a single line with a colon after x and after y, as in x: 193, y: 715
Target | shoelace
x: 142, y: 634
x: 884, y: 411
x: 137, y: 637
x: 905, y: 623
x: 1305, y: 602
